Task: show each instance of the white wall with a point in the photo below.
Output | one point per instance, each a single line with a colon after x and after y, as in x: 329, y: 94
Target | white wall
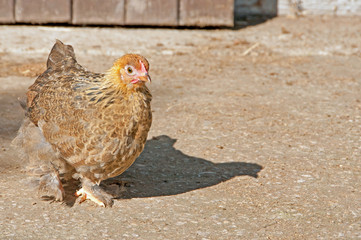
x: 315, y: 7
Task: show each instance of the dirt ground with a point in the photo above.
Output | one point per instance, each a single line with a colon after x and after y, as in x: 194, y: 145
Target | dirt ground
x: 256, y: 133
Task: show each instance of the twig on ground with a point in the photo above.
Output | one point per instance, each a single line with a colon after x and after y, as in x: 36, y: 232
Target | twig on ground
x: 250, y: 49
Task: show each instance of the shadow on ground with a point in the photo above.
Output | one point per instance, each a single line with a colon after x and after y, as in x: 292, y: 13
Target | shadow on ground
x: 162, y: 170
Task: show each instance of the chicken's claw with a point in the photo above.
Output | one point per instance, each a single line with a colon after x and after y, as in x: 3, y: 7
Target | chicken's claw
x: 94, y: 193
x: 84, y: 195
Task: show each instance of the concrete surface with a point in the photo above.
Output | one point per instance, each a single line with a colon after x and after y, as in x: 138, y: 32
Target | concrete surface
x: 256, y: 134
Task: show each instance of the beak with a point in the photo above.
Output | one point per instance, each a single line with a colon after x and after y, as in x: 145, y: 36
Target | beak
x: 145, y: 77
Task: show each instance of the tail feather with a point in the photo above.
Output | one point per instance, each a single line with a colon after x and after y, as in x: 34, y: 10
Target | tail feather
x: 61, y: 59
x: 22, y: 102
x: 61, y: 55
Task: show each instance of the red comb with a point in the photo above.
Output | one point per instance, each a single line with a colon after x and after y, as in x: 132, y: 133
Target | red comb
x: 143, y: 69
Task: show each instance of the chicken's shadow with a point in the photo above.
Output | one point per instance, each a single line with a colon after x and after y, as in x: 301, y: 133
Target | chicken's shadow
x: 162, y: 170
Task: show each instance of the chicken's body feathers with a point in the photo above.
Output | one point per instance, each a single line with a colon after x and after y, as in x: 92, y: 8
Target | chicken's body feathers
x: 91, y: 123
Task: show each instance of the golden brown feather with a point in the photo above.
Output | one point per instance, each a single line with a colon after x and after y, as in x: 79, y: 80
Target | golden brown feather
x: 93, y: 125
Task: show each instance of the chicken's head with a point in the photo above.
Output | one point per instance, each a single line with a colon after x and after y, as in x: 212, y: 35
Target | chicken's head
x: 131, y: 70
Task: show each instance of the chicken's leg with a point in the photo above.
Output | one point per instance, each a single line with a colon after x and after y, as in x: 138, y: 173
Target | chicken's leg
x: 94, y: 192
x: 51, y: 184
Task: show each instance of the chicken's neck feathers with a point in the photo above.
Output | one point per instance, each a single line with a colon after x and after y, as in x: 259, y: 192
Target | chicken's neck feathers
x: 105, y: 92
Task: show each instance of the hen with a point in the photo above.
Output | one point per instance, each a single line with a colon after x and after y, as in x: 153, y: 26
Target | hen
x: 85, y: 125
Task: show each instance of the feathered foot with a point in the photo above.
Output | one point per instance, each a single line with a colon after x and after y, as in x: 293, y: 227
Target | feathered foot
x: 94, y: 193
x: 50, y: 183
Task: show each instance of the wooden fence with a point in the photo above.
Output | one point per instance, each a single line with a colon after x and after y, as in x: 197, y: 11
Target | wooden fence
x: 164, y: 12
x: 120, y: 12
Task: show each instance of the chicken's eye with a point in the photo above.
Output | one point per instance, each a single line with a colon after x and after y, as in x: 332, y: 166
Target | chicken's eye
x: 130, y: 70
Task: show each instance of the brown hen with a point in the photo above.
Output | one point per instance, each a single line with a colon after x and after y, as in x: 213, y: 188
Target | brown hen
x: 85, y: 125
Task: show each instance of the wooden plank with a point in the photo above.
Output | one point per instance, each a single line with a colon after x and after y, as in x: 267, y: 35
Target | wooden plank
x: 316, y: 7
x: 206, y: 13
x: 152, y: 12
x: 43, y: 11
x: 109, y: 12
x: 7, y: 11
